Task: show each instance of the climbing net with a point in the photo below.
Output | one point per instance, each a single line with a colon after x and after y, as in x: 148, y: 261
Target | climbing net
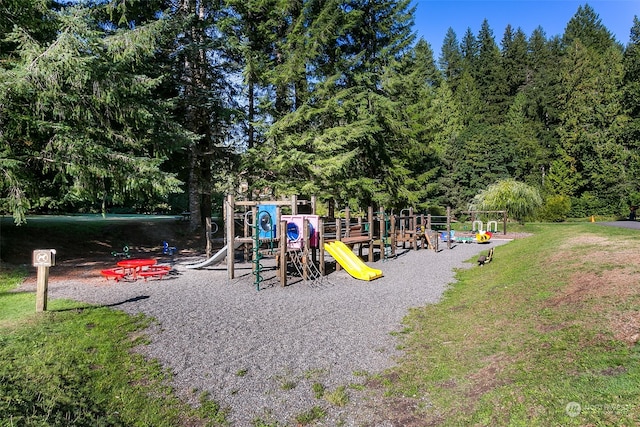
x: 300, y: 261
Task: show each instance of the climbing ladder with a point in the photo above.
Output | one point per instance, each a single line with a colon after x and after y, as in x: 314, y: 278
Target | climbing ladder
x: 257, y: 255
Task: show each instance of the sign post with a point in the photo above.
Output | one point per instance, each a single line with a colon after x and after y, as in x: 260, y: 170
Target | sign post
x: 43, y: 259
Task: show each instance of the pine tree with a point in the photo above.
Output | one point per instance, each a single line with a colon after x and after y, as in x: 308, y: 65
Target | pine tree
x: 530, y: 159
x: 590, y: 111
x: 450, y: 60
x: 631, y: 103
x: 444, y: 128
x: 490, y: 77
x: 515, y: 61
x: 469, y: 50
x: 587, y: 27
x: 82, y: 119
x: 411, y: 83
x: 542, y: 94
x: 348, y: 140
x: 203, y: 65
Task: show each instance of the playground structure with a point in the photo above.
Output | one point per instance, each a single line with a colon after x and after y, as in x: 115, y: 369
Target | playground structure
x: 299, y: 240
x: 482, y: 234
x: 292, y: 239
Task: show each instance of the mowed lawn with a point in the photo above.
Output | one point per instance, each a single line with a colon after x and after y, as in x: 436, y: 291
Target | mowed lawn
x: 546, y: 334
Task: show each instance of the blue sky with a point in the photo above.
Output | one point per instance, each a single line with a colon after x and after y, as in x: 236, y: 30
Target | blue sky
x: 434, y: 17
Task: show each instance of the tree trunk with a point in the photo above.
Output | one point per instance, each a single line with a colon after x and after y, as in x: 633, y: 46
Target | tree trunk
x: 194, y: 193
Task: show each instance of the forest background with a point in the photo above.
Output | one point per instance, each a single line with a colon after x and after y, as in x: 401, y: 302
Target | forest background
x: 166, y: 105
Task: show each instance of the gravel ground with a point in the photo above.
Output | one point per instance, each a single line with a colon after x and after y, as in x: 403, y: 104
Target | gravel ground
x: 258, y: 353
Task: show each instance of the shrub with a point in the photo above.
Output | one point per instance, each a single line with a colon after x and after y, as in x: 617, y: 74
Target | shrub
x: 519, y: 199
x: 556, y: 208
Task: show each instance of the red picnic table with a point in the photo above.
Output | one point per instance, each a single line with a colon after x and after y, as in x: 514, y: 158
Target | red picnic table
x: 136, y: 267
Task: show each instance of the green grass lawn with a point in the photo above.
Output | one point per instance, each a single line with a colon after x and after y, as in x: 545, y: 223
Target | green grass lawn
x: 543, y: 335
x: 74, y: 366
x: 546, y: 334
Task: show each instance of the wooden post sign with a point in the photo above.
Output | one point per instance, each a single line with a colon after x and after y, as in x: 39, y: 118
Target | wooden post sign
x: 43, y: 259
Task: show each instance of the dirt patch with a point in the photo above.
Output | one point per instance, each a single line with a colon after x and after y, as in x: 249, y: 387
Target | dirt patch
x: 488, y: 377
x: 80, y: 254
x: 607, y: 274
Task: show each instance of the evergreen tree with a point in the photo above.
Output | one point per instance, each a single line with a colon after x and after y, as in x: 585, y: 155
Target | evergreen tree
x: 541, y: 94
x: 515, y: 61
x: 490, y: 77
x: 468, y: 98
x: 450, y: 60
x: 79, y: 118
x: 349, y: 139
x: 529, y: 157
x: 474, y: 160
x: 204, y: 64
x: 631, y: 103
x: 469, y: 51
x: 589, y: 131
x: 412, y: 86
x: 444, y: 128
x: 587, y: 27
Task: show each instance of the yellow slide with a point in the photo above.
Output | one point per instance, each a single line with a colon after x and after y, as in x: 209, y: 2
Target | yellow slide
x: 350, y: 262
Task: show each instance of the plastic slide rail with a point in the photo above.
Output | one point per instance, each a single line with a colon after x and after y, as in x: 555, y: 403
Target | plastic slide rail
x: 350, y: 262
x: 216, y: 258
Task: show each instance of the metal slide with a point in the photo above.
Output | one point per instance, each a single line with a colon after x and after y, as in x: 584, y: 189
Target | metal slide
x: 219, y: 256
x: 350, y: 261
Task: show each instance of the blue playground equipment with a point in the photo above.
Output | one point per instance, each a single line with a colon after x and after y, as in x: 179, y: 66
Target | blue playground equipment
x: 266, y: 222
x: 168, y: 250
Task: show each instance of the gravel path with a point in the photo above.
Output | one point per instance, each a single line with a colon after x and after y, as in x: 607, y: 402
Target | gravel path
x: 258, y: 353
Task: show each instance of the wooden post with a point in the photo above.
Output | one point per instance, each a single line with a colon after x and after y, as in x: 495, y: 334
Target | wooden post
x: 382, y: 230
x: 230, y: 233
x: 449, y: 227
x: 323, y: 270
x: 282, y: 231
x: 413, y: 224
x: 347, y: 222
x: 370, y: 214
x: 338, y: 237
x: 504, y: 222
x: 305, y: 249
x: 294, y: 205
x: 43, y: 259
x: 422, y: 228
x: 207, y: 228
x: 42, y: 289
x: 393, y: 235
x: 314, y: 203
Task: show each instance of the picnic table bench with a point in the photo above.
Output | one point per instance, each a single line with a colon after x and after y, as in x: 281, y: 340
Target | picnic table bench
x: 114, y: 273
x: 158, y: 271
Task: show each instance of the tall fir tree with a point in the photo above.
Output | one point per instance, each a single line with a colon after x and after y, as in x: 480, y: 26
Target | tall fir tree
x: 349, y: 138
x: 490, y: 77
x: 83, y: 119
x: 631, y: 103
x: 412, y: 85
x: 515, y: 60
x: 204, y: 63
x: 450, y: 60
x: 590, y: 115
